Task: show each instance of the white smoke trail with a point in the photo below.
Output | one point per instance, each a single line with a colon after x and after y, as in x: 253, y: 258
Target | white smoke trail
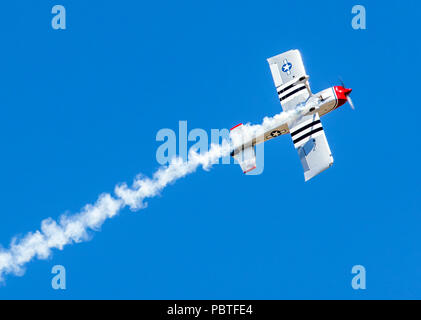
x: 74, y: 229
x: 248, y: 131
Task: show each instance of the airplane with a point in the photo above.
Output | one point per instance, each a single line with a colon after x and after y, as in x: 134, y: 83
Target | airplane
x: 292, y: 85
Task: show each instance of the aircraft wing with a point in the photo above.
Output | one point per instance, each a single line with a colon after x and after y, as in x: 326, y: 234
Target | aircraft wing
x: 311, y: 144
x: 290, y: 78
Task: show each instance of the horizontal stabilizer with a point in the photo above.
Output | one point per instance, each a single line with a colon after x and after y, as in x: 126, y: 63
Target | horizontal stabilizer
x: 245, y: 155
x: 247, y: 159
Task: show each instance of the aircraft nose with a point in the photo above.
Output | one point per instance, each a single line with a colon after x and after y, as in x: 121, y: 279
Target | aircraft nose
x: 342, y: 94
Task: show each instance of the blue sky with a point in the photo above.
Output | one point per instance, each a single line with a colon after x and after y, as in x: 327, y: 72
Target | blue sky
x: 81, y: 108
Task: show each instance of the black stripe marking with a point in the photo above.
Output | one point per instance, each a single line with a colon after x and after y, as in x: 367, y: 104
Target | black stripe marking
x: 305, y: 127
x: 307, y: 135
x: 292, y: 85
x: 287, y: 88
x: 292, y: 93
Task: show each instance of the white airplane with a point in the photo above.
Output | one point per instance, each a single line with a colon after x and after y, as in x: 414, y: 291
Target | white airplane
x: 307, y: 133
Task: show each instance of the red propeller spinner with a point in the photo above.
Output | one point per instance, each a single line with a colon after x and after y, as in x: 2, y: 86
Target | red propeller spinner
x: 343, y: 96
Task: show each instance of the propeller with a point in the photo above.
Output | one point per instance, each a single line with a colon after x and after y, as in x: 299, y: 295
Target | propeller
x: 348, y: 97
x: 350, y: 102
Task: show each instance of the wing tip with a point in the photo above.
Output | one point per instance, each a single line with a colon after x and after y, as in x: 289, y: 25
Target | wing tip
x: 249, y: 170
x: 238, y: 125
x: 308, y: 177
